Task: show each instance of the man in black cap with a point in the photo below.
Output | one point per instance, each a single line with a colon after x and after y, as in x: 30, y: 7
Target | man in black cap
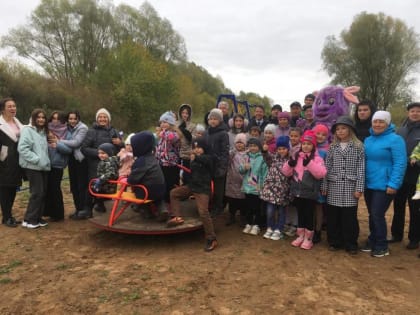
x: 410, y: 131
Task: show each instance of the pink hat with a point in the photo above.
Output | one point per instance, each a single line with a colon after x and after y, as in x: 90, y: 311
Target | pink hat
x: 283, y: 115
x: 309, y: 135
x: 241, y: 137
x: 321, y: 129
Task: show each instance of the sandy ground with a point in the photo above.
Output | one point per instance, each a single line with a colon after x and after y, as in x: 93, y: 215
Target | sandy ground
x: 74, y: 268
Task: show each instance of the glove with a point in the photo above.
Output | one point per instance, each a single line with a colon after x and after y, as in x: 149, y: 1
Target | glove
x: 308, y: 158
x: 96, y: 187
x: 292, y: 162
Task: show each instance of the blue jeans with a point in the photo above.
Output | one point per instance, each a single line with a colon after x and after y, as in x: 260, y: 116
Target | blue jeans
x: 273, y: 222
x: 377, y: 202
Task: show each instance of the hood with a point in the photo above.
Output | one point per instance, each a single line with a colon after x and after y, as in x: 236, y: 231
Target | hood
x: 142, y: 143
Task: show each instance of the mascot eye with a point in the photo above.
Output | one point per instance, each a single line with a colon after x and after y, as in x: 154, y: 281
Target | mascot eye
x: 331, y: 100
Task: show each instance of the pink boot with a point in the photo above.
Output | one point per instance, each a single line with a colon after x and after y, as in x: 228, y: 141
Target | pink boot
x: 301, y: 235
x: 307, y: 243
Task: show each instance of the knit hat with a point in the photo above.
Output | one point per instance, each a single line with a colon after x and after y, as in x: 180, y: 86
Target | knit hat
x: 343, y: 120
x: 216, y: 113
x: 103, y: 111
x: 108, y: 148
x: 321, y: 129
x: 241, y: 137
x: 283, y: 141
x: 128, y: 139
x: 255, y: 141
x: 283, y: 115
x: 201, y: 142
x: 309, y: 135
x: 167, y: 117
x: 382, y: 115
x: 142, y: 143
x: 270, y: 128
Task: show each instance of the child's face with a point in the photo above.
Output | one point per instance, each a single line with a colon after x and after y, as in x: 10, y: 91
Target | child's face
x: 342, y: 132
x: 239, y: 146
x: 214, y: 122
x: 128, y: 147
x: 253, y: 148
x: 185, y: 115
x: 198, y: 150
x: 320, y: 137
x: 238, y: 123
x: 283, y: 122
x: 268, y: 135
x: 254, y: 133
x: 164, y: 125
x: 307, y: 146
x: 294, y: 137
x: 102, y: 155
x: 309, y: 114
x: 282, y: 151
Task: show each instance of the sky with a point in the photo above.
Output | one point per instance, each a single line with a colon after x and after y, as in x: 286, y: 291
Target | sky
x: 269, y: 47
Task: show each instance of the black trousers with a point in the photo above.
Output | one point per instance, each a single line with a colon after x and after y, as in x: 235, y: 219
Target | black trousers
x: 78, y: 174
x: 305, y: 209
x: 403, y: 195
x: 54, y: 205
x: 219, y: 194
x: 342, y: 226
x: 253, y: 209
x: 38, y: 181
x: 171, y: 174
x: 7, y: 198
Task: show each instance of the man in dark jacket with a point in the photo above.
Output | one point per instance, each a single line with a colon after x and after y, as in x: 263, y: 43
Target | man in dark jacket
x: 259, y: 118
x: 410, y: 131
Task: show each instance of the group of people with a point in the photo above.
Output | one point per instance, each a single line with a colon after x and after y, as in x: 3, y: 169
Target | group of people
x: 286, y: 172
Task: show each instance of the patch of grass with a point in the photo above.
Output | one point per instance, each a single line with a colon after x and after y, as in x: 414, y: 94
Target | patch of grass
x: 102, y: 298
x: 133, y: 296
x: 62, y: 266
x: 13, y: 264
x: 145, y: 277
x: 5, y: 280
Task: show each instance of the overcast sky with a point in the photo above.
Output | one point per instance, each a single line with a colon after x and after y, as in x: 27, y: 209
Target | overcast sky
x: 270, y: 47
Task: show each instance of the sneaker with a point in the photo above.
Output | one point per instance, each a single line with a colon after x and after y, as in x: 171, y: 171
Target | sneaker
x: 380, y: 253
x: 30, y: 225
x: 366, y: 249
x: 42, y: 222
x: 291, y: 231
x: 416, y: 196
x: 255, y: 230
x: 268, y: 233
x: 247, y: 229
x: 277, y: 235
x: 210, y: 245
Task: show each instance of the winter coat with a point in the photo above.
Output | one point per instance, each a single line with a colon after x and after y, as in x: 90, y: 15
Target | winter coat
x: 10, y: 171
x: 254, y: 177
x: 282, y: 131
x: 146, y: 171
x: 187, y: 131
x: 386, y: 160
x: 234, y: 178
x: 201, y: 174
x: 77, y: 136
x: 108, y: 170
x: 218, y: 146
x: 59, y: 156
x: 126, y: 160
x: 271, y: 145
x: 167, y: 150
x: 276, y: 188
x: 410, y: 131
x: 253, y: 122
x: 305, y: 179
x: 95, y: 136
x: 345, y: 174
x: 33, y: 149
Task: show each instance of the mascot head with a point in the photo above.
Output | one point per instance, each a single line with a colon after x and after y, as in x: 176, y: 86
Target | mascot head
x: 332, y: 102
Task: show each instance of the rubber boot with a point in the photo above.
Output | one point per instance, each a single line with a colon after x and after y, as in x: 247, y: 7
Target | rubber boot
x: 307, y: 242
x: 300, y: 232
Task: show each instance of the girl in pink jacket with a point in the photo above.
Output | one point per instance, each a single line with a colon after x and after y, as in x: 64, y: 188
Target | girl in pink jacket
x: 306, y: 168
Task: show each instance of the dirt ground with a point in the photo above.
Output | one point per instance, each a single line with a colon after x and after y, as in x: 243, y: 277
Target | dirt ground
x: 74, y: 268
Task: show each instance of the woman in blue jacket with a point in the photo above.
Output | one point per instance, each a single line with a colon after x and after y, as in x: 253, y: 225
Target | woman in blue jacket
x: 385, y: 167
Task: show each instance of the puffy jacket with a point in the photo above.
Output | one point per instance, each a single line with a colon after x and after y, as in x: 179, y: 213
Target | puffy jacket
x: 253, y: 180
x: 77, y: 136
x: 33, y: 149
x: 201, y: 174
x: 386, y: 160
x: 10, y: 171
x: 218, y: 145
